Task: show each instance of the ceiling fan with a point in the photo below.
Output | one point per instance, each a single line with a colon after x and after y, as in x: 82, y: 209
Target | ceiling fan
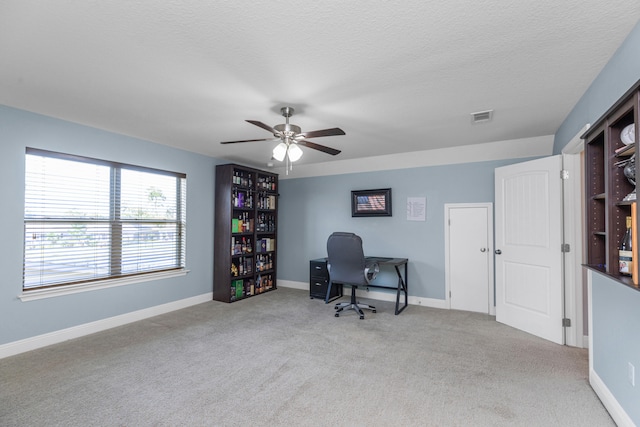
x: 292, y: 137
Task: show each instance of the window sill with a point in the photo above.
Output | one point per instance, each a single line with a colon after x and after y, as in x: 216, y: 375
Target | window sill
x: 37, y: 294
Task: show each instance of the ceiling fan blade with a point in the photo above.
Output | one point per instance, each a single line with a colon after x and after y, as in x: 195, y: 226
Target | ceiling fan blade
x: 265, y: 127
x: 323, y: 132
x: 319, y: 147
x: 249, y: 140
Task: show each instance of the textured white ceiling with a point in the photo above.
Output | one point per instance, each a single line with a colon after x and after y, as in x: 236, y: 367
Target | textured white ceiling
x: 397, y: 76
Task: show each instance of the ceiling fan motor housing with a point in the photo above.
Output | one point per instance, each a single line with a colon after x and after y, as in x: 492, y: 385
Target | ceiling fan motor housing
x: 287, y: 129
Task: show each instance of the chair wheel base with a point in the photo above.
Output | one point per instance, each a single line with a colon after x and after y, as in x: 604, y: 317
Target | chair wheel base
x: 353, y: 304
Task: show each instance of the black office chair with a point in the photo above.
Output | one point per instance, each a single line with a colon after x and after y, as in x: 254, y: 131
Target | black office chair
x: 347, y: 266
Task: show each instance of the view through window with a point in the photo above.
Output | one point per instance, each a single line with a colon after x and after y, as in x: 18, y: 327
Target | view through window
x: 88, y: 219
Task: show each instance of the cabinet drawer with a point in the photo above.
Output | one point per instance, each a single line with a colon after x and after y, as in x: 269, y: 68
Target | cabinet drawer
x: 318, y: 287
x: 318, y: 269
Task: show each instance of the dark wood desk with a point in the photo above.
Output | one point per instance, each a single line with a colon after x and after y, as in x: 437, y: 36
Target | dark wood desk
x: 402, y: 285
x: 319, y: 267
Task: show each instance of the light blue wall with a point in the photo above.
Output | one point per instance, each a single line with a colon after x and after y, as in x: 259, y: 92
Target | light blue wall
x: 616, y: 309
x: 616, y: 335
x: 620, y: 73
x: 312, y: 208
x: 20, y: 129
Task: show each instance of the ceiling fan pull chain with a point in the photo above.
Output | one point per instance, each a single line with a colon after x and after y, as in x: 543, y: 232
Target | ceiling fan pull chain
x: 286, y: 161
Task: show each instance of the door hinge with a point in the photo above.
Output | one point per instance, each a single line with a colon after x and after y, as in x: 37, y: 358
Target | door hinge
x: 565, y: 247
x: 564, y: 174
x: 566, y: 323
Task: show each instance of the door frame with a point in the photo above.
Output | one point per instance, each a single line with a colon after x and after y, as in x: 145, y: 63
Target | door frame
x: 490, y: 242
x: 573, y: 229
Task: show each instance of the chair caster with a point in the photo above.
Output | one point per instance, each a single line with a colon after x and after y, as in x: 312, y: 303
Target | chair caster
x: 361, y: 317
x: 373, y: 311
x: 337, y: 314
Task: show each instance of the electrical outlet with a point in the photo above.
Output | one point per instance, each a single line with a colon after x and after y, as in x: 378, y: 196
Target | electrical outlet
x: 632, y: 374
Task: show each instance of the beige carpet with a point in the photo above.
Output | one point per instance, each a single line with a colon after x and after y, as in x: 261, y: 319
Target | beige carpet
x: 282, y: 359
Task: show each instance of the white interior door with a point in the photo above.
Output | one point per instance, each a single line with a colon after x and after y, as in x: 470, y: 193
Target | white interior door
x: 529, y: 289
x: 469, y: 256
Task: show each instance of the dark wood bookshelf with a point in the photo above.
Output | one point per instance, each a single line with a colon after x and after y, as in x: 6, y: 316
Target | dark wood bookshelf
x: 246, y: 218
x: 606, y: 186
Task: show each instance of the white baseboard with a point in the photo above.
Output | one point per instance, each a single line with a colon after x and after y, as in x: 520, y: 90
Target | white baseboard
x: 21, y: 346
x: 373, y: 294
x: 295, y: 285
x: 616, y: 411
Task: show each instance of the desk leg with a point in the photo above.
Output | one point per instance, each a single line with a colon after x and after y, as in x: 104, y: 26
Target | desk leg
x: 402, y: 287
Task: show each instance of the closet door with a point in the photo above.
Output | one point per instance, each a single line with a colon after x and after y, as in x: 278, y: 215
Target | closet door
x: 469, y: 256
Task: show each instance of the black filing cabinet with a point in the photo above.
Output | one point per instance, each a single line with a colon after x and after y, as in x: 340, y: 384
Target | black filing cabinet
x: 319, y: 280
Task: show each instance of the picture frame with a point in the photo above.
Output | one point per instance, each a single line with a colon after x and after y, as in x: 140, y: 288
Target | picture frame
x: 371, y: 202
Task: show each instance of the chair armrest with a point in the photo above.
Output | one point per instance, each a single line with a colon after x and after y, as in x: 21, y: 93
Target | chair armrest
x: 371, y: 270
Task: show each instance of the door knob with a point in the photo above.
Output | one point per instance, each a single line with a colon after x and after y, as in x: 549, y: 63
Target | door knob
x: 498, y: 251
x: 483, y: 249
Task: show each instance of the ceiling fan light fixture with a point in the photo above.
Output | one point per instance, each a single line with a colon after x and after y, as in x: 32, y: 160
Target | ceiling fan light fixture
x: 280, y: 151
x: 295, y: 152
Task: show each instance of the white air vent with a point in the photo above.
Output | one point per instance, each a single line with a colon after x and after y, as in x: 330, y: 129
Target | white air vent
x: 482, y: 116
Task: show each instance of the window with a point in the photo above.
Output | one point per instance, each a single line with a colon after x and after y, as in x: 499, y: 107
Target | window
x: 88, y: 220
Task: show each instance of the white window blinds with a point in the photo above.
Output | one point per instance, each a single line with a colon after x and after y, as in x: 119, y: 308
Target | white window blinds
x: 87, y: 219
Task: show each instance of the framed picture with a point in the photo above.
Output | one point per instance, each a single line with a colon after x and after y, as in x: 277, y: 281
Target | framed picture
x: 371, y: 202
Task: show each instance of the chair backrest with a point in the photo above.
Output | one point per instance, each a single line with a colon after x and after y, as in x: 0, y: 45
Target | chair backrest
x: 346, y: 259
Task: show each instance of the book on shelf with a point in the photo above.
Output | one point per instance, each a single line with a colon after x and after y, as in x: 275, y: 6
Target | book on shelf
x: 237, y: 288
x: 266, y: 245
